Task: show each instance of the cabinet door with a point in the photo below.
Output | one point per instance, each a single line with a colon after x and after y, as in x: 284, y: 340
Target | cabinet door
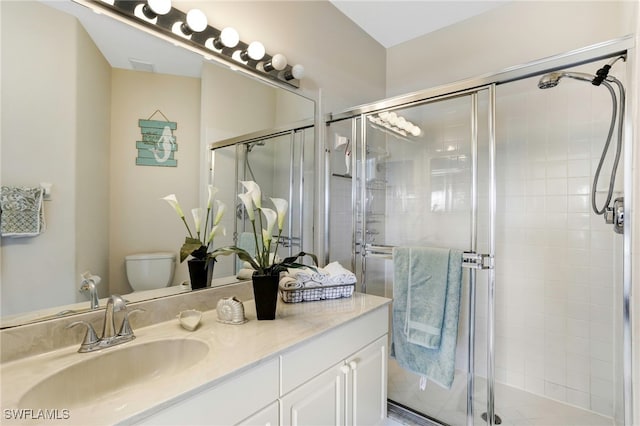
x: 266, y: 417
x: 367, y: 386
x: 320, y: 401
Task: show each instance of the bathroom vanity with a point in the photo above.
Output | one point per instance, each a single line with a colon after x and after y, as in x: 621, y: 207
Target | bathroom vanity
x: 319, y: 362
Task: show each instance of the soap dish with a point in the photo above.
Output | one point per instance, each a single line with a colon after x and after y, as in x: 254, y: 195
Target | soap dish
x: 190, y: 319
x: 230, y: 311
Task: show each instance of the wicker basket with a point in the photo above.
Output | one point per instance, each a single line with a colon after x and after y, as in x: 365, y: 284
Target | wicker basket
x: 308, y: 294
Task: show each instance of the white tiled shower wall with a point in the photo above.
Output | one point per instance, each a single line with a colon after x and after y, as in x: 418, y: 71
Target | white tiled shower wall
x: 558, y: 264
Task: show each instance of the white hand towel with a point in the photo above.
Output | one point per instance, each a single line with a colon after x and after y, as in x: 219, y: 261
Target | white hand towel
x: 337, y: 274
x: 289, y: 283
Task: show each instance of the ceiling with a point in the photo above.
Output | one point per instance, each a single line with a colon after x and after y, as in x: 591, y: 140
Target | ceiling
x: 392, y: 22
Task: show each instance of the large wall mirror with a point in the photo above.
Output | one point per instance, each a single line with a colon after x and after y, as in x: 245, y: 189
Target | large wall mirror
x: 74, y: 86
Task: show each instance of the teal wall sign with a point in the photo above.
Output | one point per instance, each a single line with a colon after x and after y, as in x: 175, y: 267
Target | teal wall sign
x: 158, y: 143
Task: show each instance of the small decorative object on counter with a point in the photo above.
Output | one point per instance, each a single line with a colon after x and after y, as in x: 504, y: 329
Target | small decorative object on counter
x: 230, y: 311
x: 190, y: 319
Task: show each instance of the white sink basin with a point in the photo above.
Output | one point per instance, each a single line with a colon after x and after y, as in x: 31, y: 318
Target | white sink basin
x: 87, y: 380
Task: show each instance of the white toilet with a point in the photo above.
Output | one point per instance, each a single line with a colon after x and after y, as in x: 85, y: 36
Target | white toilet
x: 149, y: 271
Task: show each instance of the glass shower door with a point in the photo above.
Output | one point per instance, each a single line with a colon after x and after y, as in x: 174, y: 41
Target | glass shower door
x: 418, y: 186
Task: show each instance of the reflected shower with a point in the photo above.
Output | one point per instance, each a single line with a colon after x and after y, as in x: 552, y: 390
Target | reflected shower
x: 613, y: 214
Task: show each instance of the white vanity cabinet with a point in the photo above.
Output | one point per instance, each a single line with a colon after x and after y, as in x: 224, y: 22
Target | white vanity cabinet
x: 337, y: 377
x: 228, y: 403
x: 352, y: 392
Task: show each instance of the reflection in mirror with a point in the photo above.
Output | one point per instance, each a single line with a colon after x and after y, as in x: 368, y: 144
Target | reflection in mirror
x: 71, y: 110
x: 281, y: 161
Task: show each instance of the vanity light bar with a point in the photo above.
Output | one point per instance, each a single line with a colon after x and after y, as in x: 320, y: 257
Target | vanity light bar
x: 209, y: 41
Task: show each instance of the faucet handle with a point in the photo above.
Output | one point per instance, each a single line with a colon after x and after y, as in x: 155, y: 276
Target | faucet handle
x: 125, y: 329
x: 90, y: 338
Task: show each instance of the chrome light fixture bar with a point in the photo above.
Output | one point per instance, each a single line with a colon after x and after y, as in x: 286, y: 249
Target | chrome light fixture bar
x: 192, y: 29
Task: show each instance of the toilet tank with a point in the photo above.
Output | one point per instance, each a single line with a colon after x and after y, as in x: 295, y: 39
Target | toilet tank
x: 147, y: 271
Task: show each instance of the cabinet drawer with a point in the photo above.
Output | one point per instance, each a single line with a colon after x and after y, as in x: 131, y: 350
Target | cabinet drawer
x: 309, y: 360
x: 227, y: 403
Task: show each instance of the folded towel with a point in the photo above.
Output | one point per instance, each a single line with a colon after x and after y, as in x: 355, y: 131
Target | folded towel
x: 337, y: 274
x: 305, y: 275
x: 424, y: 270
x: 438, y: 364
x: 22, y: 212
x: 245, y: 273
x: 289, y: 283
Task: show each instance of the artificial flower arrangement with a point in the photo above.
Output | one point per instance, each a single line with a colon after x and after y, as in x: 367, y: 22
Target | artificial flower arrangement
x: 198, y: 246
x: 265, y: 262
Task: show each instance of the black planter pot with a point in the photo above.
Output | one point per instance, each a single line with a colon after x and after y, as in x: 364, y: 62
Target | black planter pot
x: 265, y: 294
x: 199, y: 274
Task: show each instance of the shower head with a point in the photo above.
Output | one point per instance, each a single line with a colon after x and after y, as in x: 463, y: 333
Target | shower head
x: 550, y: 80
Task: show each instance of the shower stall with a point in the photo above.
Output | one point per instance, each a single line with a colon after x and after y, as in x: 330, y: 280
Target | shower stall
x: 504, y: 172
x: 282, y: 162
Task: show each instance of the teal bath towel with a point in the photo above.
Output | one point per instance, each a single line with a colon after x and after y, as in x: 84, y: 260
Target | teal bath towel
x: 424, y: 272
x: 436, y: 364
x: 246, y: 241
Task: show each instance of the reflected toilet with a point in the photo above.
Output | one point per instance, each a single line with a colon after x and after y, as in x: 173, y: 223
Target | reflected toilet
x: 149, y: 271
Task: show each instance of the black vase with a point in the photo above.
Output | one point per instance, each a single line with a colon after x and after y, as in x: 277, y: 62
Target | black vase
x: 199, y: 274
x: 265, y: 295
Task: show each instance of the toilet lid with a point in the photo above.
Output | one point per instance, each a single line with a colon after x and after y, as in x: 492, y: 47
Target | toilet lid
x: 148, y: 256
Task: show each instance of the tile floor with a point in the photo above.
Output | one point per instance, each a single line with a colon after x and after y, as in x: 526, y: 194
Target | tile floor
x: 514, y: 406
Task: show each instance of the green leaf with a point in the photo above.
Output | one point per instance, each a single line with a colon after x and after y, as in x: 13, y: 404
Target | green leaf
x: 292, y: 259
x: 242, y: 254
x: 189, y: 247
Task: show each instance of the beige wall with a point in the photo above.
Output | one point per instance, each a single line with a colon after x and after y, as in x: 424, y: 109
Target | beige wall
x: 346, y: 64
x: 40, y: 109
x: 140, y: 221
x: 513, y: 34
x: 93, y: 93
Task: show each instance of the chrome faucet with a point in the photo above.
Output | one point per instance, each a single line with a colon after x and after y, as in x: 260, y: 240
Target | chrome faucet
x: 88, y: 284
x: 109, y: 338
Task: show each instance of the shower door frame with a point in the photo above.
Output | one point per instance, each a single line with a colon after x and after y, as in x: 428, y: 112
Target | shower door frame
x: 624, y: 45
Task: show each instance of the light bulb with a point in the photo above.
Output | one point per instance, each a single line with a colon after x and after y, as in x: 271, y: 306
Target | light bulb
x: 256, y: 50
x: 229, y: 37
x: 159, y: 7
x: 415, y: 131
x: 297, y: 72
x: 392, y: 118
x: 277, y: 62
x: 196, y: 21
x: 150, y: 10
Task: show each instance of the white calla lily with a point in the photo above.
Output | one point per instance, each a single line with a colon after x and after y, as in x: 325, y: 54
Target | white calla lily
x: 266, y: 237
x: 217, y: 229
x: 281, y: 207
x: 256, y: 192
x: 173, y: 201
x: 212, y: 193
x: 221, y: 207
x: 271, y: 217
x: 197, y: 218
x: 248, y: 205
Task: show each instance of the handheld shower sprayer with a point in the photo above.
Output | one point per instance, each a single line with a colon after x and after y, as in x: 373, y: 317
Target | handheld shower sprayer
x: 550, y: 80
x: 601, y: 78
